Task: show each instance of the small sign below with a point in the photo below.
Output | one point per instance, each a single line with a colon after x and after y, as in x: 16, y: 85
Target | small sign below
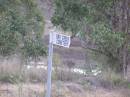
x: 61, y: 40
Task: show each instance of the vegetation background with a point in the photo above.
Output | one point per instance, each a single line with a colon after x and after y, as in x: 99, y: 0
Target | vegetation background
x: 95, y: 65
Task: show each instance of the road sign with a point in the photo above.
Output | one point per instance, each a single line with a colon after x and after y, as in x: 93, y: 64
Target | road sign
x: 57, y: 39
x: 61, y: 40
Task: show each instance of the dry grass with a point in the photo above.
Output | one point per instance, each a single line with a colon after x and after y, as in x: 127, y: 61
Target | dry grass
x: 103, y: 93
x: 21, y: 90
x: 98, y: 92
x: 15, y: 73
x: 76, y: 90
x: 9, y: 68
x: 37, y: 90
x: 60, y: 89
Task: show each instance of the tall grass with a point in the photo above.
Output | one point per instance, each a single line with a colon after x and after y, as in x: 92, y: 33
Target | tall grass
x: 17, y: 73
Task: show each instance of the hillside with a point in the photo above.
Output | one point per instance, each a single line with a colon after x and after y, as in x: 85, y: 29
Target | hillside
x: 88, y: 68
x: 75, y: 53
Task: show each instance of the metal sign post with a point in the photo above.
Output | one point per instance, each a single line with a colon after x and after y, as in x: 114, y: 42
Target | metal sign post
x: 50, y: 57
x: 57, y: 39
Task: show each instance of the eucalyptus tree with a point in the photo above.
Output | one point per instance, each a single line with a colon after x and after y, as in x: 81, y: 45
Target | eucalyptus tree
x: 102, y: 25
x: 21, y: 28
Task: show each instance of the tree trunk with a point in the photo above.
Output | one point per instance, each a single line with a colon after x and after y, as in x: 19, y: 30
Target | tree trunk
x: 121, y: 24
x: 125, y: 26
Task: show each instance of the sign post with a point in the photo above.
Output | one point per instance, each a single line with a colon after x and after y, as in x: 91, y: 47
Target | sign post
x: 57, y: 39
x: 49, y: 69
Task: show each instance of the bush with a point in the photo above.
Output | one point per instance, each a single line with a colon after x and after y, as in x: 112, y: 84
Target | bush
x: 20, y: 20
x: 111, y: 79
x: 34, y: 48
x: 10, y: 78
x: 129, y: 85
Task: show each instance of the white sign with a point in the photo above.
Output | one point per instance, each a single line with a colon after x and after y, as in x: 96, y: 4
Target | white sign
x: 60, y: 39
x: 57, y: 39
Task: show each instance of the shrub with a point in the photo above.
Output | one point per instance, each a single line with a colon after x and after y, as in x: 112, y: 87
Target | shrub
x: 10, y: 78
x: 111, y: 79
x: 20, y: 20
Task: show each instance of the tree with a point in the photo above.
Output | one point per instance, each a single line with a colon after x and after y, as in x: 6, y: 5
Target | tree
x: 100, y: 25
x: 21, y: 28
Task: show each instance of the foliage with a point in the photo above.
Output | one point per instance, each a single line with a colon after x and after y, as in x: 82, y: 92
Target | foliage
x: 34, y: 48
x: 107, y: 41
x: 129, y: 85
x: 10, y: 28
x: 110, y: 79
x: 69, y: 14
x: 10, y: 78
x: 20, y: 20
x: 92, y: 21
x: 56, y: 63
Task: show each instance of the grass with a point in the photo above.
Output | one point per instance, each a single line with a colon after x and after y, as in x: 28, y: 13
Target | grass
x: 10, y: 78
x: 16, y: 74
x: 37, y: 90
x: 111, y: 79
x: 26, y: 83
x: 28, y: 89
x: 128, y: 85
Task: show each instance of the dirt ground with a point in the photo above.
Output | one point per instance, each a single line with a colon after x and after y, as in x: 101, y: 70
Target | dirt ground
x: 66, y: 90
